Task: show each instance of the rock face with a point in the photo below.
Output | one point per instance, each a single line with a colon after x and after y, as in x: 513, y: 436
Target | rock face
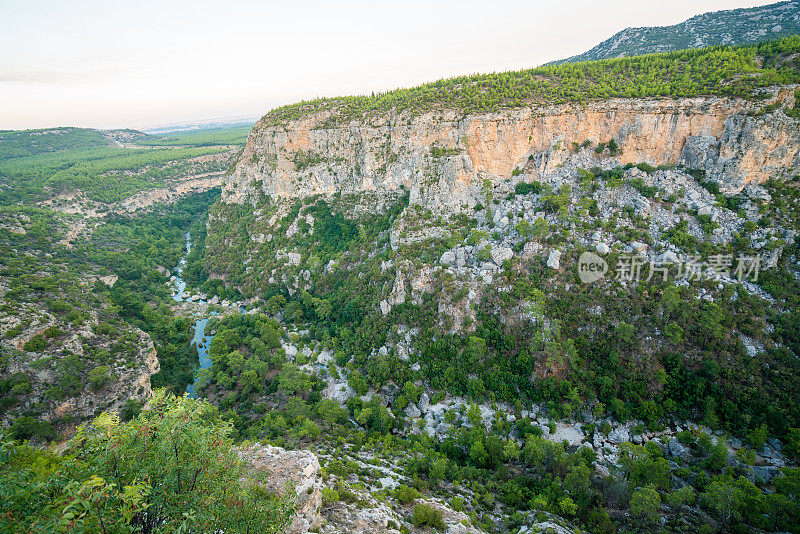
x: 752, y: 148
x: 443, y: 157
x: 282, y: 468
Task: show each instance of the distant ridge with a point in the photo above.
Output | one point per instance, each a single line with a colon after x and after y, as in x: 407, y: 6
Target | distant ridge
x: 729, y: 27
x: 199, y: 125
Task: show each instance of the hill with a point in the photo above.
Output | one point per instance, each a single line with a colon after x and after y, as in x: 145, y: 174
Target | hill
x: 730, y: 27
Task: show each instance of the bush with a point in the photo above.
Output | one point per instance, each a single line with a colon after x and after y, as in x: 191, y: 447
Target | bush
x: 35, y: 344
x: 406, y: 494
x: 457, y: 504
x: 26, y: 427
x: 53, y: 331
x: 99, y: 376
x: 329, y: 496
x: 526, y: 188
x: 425, y: 514
x: 186, y: 475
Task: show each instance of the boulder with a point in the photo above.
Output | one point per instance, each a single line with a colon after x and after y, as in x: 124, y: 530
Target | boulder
x: 338, y: 391
x: 554, y: 259
x: 424, y: 402
x: 619, y: 435
x: 602, y: 248
x: 677, y: 449
x: 448, y: 258
x: 566, y: 433
x: 412, y: 411
x: 501, y: 254
x: 763, y: 474
x: 442, y: 429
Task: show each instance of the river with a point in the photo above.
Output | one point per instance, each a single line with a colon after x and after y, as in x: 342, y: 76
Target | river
x: 200, y: 339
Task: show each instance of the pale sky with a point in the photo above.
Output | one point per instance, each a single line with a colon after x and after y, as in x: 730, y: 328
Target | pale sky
x: 115, y: 64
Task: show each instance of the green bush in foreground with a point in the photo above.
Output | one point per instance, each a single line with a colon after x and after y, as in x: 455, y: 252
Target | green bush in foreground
x: 170, y: 469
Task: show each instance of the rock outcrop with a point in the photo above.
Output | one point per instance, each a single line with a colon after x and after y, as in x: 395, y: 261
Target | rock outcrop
x: 279, y: 470
x: 443, y: 157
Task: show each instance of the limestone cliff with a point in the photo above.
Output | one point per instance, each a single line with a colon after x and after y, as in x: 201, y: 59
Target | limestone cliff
x: 443, y: 157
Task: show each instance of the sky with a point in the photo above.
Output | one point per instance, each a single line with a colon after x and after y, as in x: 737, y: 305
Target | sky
x: 143, y: 63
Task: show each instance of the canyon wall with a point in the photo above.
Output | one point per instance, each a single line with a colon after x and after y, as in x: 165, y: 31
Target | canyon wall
x: 444, y: 157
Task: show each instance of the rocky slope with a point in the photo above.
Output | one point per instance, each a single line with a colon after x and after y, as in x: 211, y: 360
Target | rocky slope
x: 371, y: 508
x: 735, y: 26
x: 444, y: 158
x: 427, y: 265
x: 52, y: 379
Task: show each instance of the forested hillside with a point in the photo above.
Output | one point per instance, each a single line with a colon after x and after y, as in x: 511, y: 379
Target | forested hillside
x: 37, y: 165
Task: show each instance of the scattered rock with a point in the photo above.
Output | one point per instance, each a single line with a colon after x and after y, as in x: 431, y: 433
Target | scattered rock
x: 412, y: 411
x: 448, y: 258
x: 501, y: 254
x: 677, y: 449
x: 763, y: 474
x: 554, y: 259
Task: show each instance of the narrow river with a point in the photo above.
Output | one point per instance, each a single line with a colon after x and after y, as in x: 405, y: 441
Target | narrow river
x: 199, y: 339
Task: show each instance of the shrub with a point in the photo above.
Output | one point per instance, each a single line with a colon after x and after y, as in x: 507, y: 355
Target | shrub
x: 424, y: 514
x: 35, y: 344
x: 457, y: 504
x: 406, y: 494
x: 329, y: 496
x: 26, y: 427
x: 53, y: 331
x: 99, y: 376
x: 526, y: 188
x: 186, y: 475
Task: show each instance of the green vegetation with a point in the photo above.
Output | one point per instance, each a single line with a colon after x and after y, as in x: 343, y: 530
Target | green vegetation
x: 27, y: 143
x: 322, y: 272
x: 103, y: 174
x: 234, y: 135
x: 184, y: 476
x: 717, y: 70
x: 39, y: 164
x: 47, y: 281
